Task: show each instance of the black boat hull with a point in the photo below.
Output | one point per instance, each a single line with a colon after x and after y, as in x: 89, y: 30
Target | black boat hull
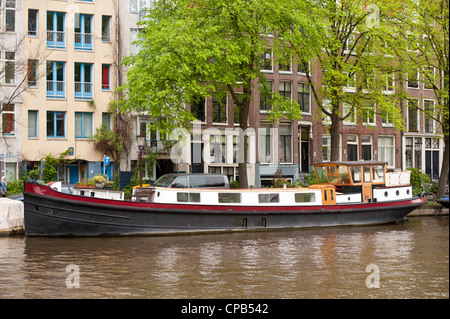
x: 70, y: 215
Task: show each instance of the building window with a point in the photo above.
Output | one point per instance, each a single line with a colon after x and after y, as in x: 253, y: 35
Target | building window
x: 219, y: 110
x: 413, y: 115
x: 8, y: 119
x: 134, y: 47
x: 10, y: 68
x: 106, y: 119
x: 390, y: 84
x: 368, y: 112
x: 326, y: 148
x: 32, y: 22
x: 304, y: 97
x: 429, y: 115
x: 83, y: 32
x: 56, y: 35
x: 217, y: 148
x: 83, y: 125
x: 32, y: 73
x: 366, y: 146
x: 285, y: 64
x: 83, y: 81
x: 140, y: 5
x: 413, y: 79
x: 285, y: 89
x: 198, y: 109
x: 413, y: 152
x: 432, y: 158
x: 386, y: 150
x: 349, y: 114
x: 32, y: 123
x: 285, y: 144
x: 106, y: 73
x: 265, y: 153
x: 352, y: 147
x: 303, y: 67
x: 350, y: 85
x: 10, y: 15
x: 428, y: 78
x: 267, y: 61
x: 56, y: 126
x: 106, y: 28
x: 265, y: 98
x: 56, y: 79
x: 386, y: 118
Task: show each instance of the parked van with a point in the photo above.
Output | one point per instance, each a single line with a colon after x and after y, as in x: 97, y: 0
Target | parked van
x: 192, y: 181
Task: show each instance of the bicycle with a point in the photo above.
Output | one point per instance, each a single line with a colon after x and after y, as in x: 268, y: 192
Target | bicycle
x: 427, y: 194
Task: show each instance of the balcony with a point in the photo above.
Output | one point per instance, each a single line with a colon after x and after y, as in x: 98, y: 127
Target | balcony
x: 83, y: 90
x: 56, y: 39
x: 56, y: 89
x: 83, y: 41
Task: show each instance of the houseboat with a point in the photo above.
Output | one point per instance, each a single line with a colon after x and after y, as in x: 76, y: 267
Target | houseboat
x: 346, y: 193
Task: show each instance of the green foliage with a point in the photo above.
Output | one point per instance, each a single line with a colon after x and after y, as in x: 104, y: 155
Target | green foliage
x: 234, y: 184
x: 14, y: 187
x: 49, y: 172
x: 107, y: 141
x: 418, y: 179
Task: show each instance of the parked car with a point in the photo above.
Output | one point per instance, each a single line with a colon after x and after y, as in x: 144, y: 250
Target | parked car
x: 192, y: 181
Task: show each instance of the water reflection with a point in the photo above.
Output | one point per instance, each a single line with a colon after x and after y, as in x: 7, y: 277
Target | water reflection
x: 314, y: 263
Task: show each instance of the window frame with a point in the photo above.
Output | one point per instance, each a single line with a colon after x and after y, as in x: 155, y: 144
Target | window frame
x: 83, y: 125
x: 35, y: 124
x: 55, y: 124
x: 33, y: 32
x: 55, y: 44
x: 6, y: 118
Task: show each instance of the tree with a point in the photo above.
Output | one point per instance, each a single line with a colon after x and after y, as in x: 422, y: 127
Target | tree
x: 194, y: 49
x: 425, y: 28
x: 357, y: 61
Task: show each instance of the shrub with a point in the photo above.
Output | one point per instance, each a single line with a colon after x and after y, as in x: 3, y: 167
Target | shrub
x: 234, y: 184
x: 418, y: 179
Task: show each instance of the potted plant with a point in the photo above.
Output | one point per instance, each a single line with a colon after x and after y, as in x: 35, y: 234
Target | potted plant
x: 109, y: 185
x: 98, y: 180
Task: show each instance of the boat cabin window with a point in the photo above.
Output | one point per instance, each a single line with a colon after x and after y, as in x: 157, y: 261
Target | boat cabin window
x: 305, y: 197
x: 356, y: 173
x: 180, y: 182
x: 343, y: 174
x: 269, y: 198
x: 366, y: 174
x: 229, y: 197
x: 378, y: 174
x: 164, y: 181
x: 332, y: 174
x: 321, y: 174
x: 206, y: 181
x: 183, y: 197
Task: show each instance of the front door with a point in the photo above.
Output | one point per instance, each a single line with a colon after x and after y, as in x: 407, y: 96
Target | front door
x: 197, y: 157
x: 72, y: 174
x: 305, y: 157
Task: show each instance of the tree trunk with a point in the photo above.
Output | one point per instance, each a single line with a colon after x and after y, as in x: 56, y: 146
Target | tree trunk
x: 334, y: 133
x: 443, y: 178
x: 243, y: 120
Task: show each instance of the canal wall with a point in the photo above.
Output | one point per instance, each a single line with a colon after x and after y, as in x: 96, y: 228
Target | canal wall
x: 11, y: 216
x: 430, y: 209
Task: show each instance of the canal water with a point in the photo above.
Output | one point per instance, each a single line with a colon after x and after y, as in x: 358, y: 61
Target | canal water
x: 407, y: 260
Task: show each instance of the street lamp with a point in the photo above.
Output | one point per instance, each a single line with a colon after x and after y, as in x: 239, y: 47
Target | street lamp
x: 141, y: 145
